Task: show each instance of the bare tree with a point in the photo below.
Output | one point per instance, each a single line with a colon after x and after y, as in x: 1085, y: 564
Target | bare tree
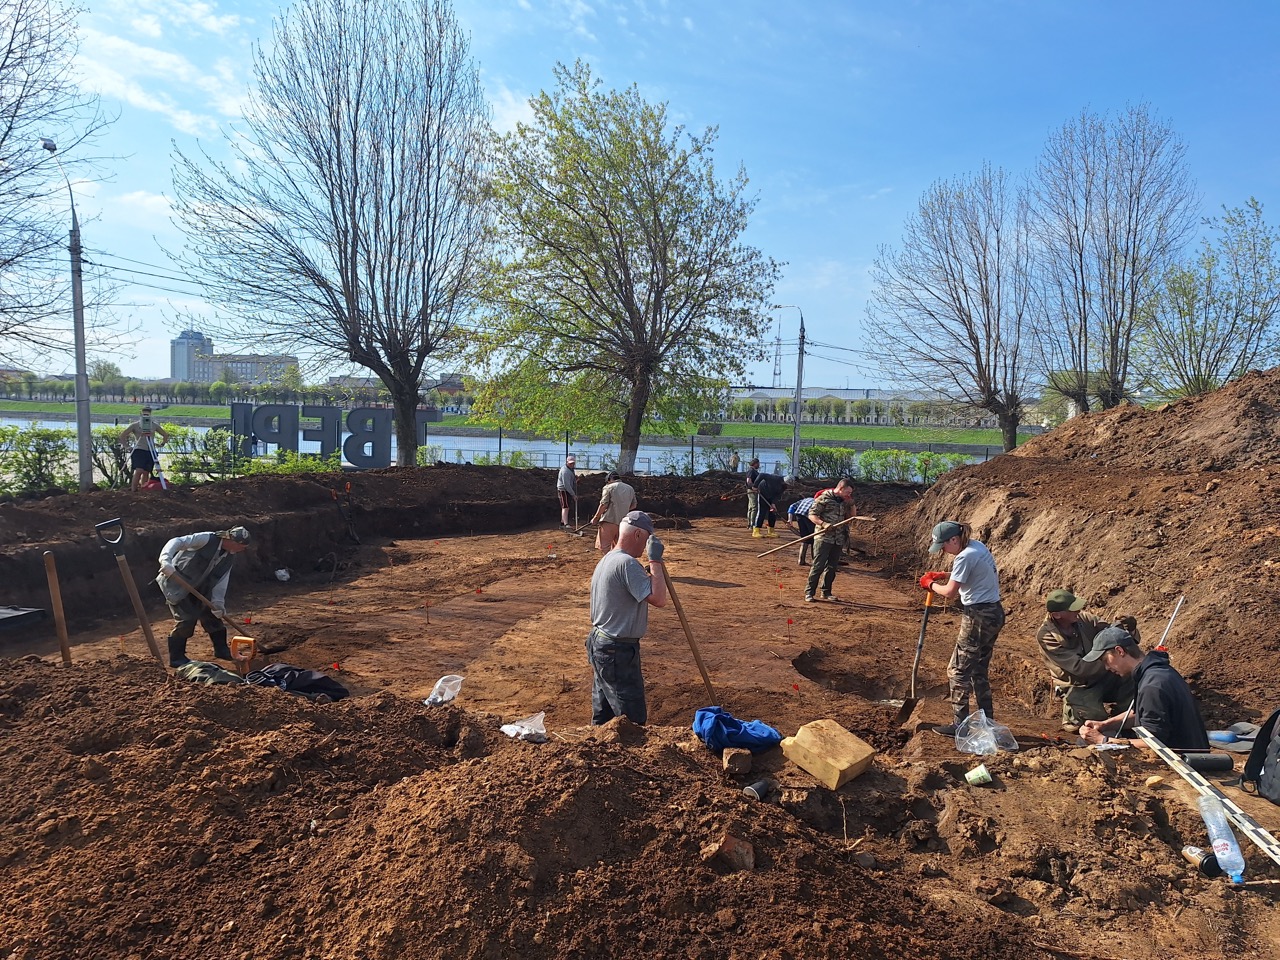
x: 1113, y: 206
x: 38, y: 99
x: 1216, y: 315
x: 952, y: 307
x: 349, y: 222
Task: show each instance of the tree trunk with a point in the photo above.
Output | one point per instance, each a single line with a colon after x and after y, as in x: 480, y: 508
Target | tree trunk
x: 631, y: 425
x: 1009, y: 429
x: 404, y: 403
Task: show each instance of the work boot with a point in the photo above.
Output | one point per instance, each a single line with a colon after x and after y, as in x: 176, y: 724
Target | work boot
x: 220, y: 649
x: 946, y: 730
x: 756, y: 534
x: 772, y: 532
x: 177, y: 652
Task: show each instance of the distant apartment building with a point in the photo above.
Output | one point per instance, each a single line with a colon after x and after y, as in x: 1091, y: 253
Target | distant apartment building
x: 191, y: 358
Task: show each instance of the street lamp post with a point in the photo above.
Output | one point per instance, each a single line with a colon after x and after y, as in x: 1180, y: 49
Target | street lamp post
x: 795, y: 433
x: 84, y: 437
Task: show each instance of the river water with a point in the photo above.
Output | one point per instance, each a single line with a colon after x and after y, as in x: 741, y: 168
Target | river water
x: 676, y: 456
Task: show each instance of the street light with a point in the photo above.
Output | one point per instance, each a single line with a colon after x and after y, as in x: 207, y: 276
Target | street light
x: 84, y: 438
x: 795, y: 433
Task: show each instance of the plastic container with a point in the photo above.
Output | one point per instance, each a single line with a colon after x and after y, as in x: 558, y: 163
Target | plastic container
x: 1225, y: 849
x: 1203, y: 861
x: 446, y: 689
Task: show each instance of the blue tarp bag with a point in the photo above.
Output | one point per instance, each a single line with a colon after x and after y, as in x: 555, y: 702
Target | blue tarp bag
x: 719, y: 730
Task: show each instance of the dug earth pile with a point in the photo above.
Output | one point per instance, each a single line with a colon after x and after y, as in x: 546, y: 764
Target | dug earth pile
x: 142, y: 816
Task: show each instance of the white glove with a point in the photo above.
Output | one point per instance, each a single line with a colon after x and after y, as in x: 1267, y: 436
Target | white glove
x: 168, y: 569
x: 219, y: 611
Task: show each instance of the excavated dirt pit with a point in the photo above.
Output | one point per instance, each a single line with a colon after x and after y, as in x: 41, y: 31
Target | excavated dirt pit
x: 141, y: 816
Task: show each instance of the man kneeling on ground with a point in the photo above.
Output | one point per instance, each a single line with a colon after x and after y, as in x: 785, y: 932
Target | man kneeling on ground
x: 1163, y: 703
x: 1088, y: 690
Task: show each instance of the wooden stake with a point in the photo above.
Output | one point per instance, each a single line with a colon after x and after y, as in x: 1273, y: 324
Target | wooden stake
x: 55, y: 600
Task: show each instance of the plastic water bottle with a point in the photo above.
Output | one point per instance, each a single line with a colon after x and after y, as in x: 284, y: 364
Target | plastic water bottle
x: 1225, y: 849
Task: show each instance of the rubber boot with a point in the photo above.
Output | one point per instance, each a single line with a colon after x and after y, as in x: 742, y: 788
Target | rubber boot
x: 177, y: 652
x: 220, y: 649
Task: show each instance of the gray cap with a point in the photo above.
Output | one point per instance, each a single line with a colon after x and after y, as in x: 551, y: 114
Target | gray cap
x: 944, y: 532
x: 638, y: 518
x: 236, y: 535
x: 1109, y: 639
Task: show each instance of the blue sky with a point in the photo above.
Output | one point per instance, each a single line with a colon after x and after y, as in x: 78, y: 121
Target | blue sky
x: 841, y: 113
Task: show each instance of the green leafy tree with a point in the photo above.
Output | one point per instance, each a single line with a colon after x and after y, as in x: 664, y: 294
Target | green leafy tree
x: 1215, y: 318
x: 628, y: 293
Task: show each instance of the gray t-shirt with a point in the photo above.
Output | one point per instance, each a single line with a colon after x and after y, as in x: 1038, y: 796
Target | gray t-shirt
x: 975, y: 570
x: 620, y: 589
x: 567, y: 481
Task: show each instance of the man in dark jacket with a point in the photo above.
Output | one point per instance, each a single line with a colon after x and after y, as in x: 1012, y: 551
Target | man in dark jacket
x: 204, y: 561
x: 768, y: 489
x: 1163, y: 703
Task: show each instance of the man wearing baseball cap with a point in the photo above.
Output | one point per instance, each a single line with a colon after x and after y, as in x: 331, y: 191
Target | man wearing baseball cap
x: 204, y: 561
x: 1162, y: 703
x: 567, y: 489
x: 1086, y: 688
x: 622, y: 592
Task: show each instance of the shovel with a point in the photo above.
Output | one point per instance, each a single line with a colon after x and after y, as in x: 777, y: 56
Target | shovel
x: 909, y: 704
x: 111, y: 533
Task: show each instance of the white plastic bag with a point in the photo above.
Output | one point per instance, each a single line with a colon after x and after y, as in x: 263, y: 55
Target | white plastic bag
x: 530, y: 728
x: 446, y: 689
x: 980, y: 735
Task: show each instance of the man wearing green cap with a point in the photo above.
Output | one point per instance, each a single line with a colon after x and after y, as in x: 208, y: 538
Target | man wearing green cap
x: 1086, y: 687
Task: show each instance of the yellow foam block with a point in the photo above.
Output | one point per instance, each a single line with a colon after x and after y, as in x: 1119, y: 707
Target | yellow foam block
x: 829, y: 752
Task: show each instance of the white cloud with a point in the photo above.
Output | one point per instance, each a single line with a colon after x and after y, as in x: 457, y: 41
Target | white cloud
x: 148, y: 25
x: 509, y: 108
x: 147, y: 77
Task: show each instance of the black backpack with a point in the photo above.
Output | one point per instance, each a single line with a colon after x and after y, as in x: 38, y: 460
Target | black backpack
x: 309, y: 683
x: 1262, y: 769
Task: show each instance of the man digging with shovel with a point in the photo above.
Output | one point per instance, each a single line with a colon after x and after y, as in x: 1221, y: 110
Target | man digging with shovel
x: 203, y: 561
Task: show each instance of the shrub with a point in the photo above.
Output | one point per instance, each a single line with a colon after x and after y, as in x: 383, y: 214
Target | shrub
x: 110, y: 459
x: 37, y: 459
x: 718, y: 457
x: 828, y: 462
x: 429, y: 454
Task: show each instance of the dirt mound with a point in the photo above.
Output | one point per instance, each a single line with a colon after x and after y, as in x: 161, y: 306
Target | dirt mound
x: 1229, y: 429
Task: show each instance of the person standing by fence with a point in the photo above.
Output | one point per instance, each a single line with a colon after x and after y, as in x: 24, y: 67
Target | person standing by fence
x: 567, y: 490
x: 142, y: 434
x: 753, y: 495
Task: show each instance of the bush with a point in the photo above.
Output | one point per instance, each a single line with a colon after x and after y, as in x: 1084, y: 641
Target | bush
x: 110, y: 459
x: 290, y: 463
x: 429, y: 455
x: 828, y: 462
x: 887, y: 466
x: 719, y: 456
x: 194, y: 457
x: 512, y: 458
x: 37, y: 459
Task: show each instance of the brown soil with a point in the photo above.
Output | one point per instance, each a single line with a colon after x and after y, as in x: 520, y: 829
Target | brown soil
x: 145, y: 817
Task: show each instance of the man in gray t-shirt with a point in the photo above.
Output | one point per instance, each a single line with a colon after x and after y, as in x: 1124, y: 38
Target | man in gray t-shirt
x: 621, y: 593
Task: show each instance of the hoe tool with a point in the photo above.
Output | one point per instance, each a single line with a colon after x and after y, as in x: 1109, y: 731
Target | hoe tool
x: 688, y: 635
x: 792, y: 543
x: 910, y: 702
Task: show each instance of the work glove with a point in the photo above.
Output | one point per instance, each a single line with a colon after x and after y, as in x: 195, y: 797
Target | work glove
x: 1130, y: 624
x: 929, y: 579
x: 168, y: 569
x: 219, y: 611
x: 655, y: 548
